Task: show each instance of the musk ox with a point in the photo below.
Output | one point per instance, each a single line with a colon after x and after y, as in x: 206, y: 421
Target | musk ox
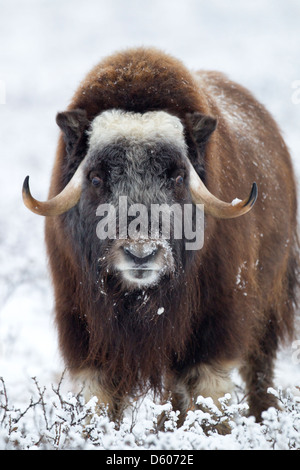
x: 141, y: 313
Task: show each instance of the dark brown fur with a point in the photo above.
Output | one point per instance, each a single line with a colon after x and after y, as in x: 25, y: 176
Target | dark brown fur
x: 237, y: 300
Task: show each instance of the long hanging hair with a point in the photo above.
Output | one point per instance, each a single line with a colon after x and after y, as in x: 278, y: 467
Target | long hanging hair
x: 135, y: 335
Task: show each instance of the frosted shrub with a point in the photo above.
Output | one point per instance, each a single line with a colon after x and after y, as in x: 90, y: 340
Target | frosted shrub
x: 53, y: 420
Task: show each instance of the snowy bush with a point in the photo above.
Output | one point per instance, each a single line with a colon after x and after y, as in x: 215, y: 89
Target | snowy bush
x: 54, y: 420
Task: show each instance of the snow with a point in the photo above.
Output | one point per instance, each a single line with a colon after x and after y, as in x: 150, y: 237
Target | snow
x: 46, y: 49
x: 235, y: 201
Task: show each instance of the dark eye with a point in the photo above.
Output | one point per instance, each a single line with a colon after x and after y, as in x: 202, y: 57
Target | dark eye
x: 179, y: 180
x: 96, y: 181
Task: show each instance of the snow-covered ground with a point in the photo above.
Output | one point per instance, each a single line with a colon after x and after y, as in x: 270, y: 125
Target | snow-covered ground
x: 46, y: 48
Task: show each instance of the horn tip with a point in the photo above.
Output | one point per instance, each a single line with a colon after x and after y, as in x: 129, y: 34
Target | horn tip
x: 253, y: 195
x: 25, y: 188
x: 28, y: 200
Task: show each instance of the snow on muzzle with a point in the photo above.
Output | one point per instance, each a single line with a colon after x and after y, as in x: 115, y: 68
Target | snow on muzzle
x: 142, y: 263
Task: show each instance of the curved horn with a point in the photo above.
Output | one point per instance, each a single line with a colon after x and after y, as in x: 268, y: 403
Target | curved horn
x: 214, y: 206
x: 59, y: 204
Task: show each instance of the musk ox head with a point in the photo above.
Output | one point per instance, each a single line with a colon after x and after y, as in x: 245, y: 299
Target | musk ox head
x: 136, y: 179
x: 134, y: 194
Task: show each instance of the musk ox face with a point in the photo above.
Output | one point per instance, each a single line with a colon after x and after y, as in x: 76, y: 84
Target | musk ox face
x: 131, y: 203
x: 135, y: 186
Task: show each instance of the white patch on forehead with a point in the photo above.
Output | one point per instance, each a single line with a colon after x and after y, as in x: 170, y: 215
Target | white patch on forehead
x: 153, y: 126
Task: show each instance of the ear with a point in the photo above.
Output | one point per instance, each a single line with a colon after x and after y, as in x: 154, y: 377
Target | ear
x: 73, y: 124
x: 202, y: 127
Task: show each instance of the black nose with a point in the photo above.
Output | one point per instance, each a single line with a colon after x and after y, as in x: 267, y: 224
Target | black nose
x: 140, y: 255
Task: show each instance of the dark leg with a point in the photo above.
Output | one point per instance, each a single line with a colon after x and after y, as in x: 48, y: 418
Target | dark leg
x: 258, y: 375
x: 206, y: 380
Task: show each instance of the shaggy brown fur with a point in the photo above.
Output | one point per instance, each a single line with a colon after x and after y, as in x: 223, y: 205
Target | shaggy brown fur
x: 236, y: 300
